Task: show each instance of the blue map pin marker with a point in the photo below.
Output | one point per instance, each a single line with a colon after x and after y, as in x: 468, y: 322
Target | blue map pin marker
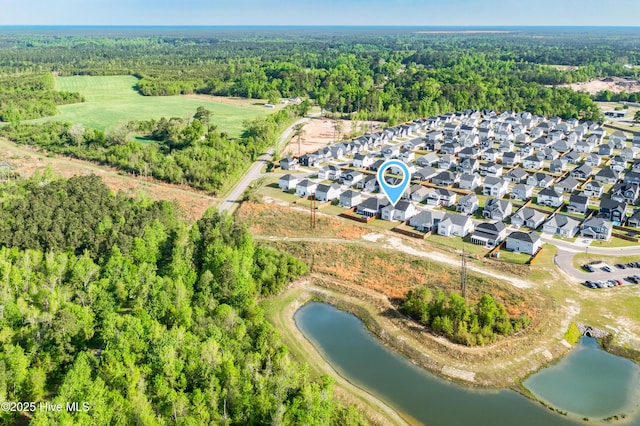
x: 394, y: 192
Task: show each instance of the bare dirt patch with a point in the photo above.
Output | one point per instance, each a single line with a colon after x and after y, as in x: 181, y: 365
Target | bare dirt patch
x: 319, y: 132
x: 25, y: 162
x: 612, y: 84
x: 229, y: 100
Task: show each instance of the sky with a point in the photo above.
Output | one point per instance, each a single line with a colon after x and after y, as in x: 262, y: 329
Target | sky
x: 322, y: 12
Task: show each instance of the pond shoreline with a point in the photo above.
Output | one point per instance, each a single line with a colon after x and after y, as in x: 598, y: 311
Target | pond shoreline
x: 388, y: 336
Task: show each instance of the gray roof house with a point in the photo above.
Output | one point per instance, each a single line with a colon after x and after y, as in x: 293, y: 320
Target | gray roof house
x: 561, y: 225
x: 424, y: 174
x: 524, y: 242
x: 578, y: 204
x: 615, y: 211
x: 489, y: 234
x: 593, y: 189
x: 510, y: 159
x: 607, y: 175
x: 402, y: 211
x: 371, y: 207
x: 351, y: 177
x: 521, y: 192
x: 517, y: 175
x: 627, y: 192
x: 634, y: 220
x: 557, y: 166
x: 469, y: 182
x: 567, y: 184
x: 540, y: 180
x: 581, y: 172
x: 495, y: 187
x: 429, y: 159
x: 326, y: 192
x: 289, y: 163
x: 444, y: 179
x: 368, y: 184
x: 491, y: 169
x: 350, y: 198
x: 596, y: 228
x: 455, y: 225
x: 421, y: 194
x: 526, y: 216
x: 306, y: 187
x: 549, y: 197
x: 427, y: 220
x: 288, y: 182
x: 496, y: 209
x: 532, y: 162
x: 468, y: 204
x: 441, y: 197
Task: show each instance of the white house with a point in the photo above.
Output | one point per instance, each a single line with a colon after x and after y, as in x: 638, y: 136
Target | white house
x: 288, y: 182
x: 524, y: 242
x: 326, y: 193
x: 306, y: 187
x: 402, y: 211
x: 455, y: 225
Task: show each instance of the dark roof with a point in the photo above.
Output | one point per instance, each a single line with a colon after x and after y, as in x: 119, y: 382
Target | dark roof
x: 549, y: 192
x: 491, y: 227
x: 527, y: 237
x: 579, y: 199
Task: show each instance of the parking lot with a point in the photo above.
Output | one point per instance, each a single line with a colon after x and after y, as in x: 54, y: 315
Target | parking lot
x: 602, y: 275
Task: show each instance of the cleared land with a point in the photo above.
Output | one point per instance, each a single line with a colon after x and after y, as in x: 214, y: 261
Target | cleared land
x: 112, y: 99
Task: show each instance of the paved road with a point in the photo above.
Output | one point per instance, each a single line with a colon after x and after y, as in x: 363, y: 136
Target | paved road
x: 564, y: 261
x: 254, y: 171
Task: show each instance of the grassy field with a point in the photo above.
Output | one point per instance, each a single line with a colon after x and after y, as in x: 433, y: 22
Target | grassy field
x: 111, y: 100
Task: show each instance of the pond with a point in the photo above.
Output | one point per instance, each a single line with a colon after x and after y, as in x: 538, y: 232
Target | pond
x: 413, y: 392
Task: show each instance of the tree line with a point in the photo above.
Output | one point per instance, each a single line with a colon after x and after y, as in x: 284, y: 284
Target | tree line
x: 188, y: 151
x: 471, y: 324
x: 156, y: 324
x: 23, y: 97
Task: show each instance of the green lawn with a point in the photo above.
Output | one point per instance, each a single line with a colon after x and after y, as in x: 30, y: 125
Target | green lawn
x: 614, y: 242
x: 511, y: 257
x: 111, y: 100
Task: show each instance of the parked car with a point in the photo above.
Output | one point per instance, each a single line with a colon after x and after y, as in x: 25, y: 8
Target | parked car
x: 621, y: 266
x: 607, y: 268
x: 587, y: 268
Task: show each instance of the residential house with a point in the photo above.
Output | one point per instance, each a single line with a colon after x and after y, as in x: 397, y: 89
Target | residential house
x: 567, y: 184
x: 581, y: 172
x: 325, y: 193
x: 578, y: 204
x: 561, y: 225
x: 557, y: 166
x: 390, y: 151
x: 468, y: 204
x: 532, y: 162
x: 593, y: 189
x: 540, y: 180
x: 350, y: 199
x: 607, y: 175
x: 618, y: 138
x: 634, y: 220
x: 352, y: 177
x: 525, y: 150
x: 612, y: 210
x: 362, y: 161
x: 447, y: 162
x: 371, y: 207
x: 455, y: 225
x: 510, y: 159
x: 496, y: 209
x: 618, y: 163
x: 583, y: 147
x: 632, y: 177
x: 306, y: 187
x: 549, y: 197
x: 629, y: 154
x: 309, y: 160
x: 518, y: 175
x: 627, y: 192
x: 521, y: 192
x: 540, y: 143
x: 606, y: 149
x: 572, y: 157
x: 468, y: 166
x: 524, y: 242
x: 635, y: 141
x: 289, y: 163
x: 449, y: 148
x: 376, y: 165
x: 402, y: 211
x: 596, y: 228
x: 593, y: 160
x: 444, y: 179
x: 491, y: 154
x: 562, y: 145
x: 427, y: 220
x: 441, y: 197
x: 420, y: 194
x: 288, y: 182
x: 428, y: 159
x: 469, y: 152
x: 368, y: 184
x: 470, y: 182
x: 495, y: 187
x: 330, y: 172
x: 424, y: 174
x: 526, y: 216
x: 491, y: 169
x: 489, y: 234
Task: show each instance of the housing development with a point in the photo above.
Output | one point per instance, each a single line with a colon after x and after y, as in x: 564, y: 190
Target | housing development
x: 493, y: 177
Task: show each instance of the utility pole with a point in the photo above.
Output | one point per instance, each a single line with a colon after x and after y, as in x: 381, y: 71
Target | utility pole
x: 463, y: 275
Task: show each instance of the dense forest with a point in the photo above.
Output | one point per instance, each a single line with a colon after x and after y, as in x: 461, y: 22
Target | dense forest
x: 23, y: 97
x: 191, y: 152
x: 386, y: 74
x: 466, y: 323
x: 115, y: 302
